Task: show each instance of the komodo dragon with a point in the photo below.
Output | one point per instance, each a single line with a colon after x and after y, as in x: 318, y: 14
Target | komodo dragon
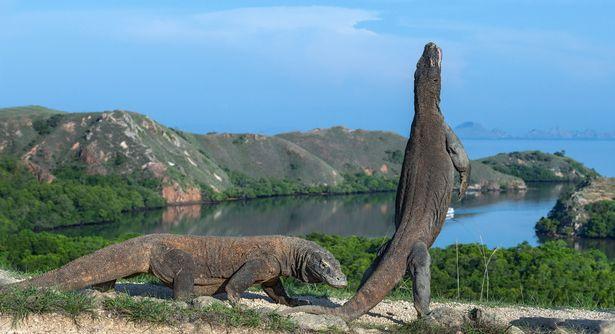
x: 194, y: 265
x: 433, y: 153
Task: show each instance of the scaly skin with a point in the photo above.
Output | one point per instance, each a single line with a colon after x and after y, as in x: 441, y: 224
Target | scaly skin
x: 433, y: 153
x: 193, y: 265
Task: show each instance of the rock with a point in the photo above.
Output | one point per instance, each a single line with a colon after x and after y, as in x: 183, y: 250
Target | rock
x: 513, y: 330
x: 607, y: 327
x: 6, y: 278
x: 204, y: 301
x: 560, y: 331
x: 360, y: 330
x: 181, y: 304
x: 100, y: 296
x: 487, y: 317
x: 447, y: 317
x: 176, y: 194
x: 315, y: 322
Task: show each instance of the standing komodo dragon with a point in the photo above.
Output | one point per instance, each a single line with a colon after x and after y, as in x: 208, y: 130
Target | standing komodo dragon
x: 433, y: 153
x: 193, y: 265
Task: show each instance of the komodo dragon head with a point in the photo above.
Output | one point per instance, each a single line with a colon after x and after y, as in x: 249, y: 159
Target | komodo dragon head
x: 320, y: 266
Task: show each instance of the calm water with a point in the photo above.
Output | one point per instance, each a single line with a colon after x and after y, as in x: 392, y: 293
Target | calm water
x: 502, y: 220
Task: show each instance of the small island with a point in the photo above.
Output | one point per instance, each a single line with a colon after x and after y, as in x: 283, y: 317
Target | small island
x: 588, y: 211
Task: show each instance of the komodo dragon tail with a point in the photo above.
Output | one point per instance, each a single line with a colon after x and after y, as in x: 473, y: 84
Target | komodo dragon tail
x: 105, y: 265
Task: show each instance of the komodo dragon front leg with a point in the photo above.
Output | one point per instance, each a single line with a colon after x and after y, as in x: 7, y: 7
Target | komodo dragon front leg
x: 459, y: 157
x: 275, y: 290
x: 253, y: 271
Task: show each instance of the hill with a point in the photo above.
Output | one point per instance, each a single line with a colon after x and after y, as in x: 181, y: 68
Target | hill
x: 258, y: 156
x: 115, y: 142
x: 536, y: 166
x: 354, y: 151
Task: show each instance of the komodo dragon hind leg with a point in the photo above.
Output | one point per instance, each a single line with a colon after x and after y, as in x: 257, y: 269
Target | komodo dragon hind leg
x: 418, y: 264
x: 459, y: 157
x: 177, y: 268
x: 263, y: 269
x: 275, y: 290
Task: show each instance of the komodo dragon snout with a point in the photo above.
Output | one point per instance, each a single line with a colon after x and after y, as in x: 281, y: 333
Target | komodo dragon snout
x: 321, y: 266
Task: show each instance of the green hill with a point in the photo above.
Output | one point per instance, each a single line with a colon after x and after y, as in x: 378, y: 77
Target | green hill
x: 536, y: 166
x: 258, y: 156
x: 116, y: 142
x: 354, y: 151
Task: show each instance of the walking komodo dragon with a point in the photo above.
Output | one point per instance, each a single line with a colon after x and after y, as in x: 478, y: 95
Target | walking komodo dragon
x: 193, y: 265
x: 433, y: 153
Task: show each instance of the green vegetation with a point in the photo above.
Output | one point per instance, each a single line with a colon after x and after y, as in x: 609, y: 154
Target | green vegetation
x: 548, y: 275
x: 245, y: 187
x: 73, y: 198
x: 395, y: 156
x: 570, y: 218
x: 536, y: 166
x: 45, y: 126
x: 20, y: 303
x: 158, y: 312
x: 601, y: 223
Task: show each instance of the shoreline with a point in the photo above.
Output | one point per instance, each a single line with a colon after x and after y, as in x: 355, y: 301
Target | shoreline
x: 473, y: 192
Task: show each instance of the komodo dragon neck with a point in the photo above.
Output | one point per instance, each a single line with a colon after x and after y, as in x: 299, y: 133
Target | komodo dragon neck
x: 295, y: 259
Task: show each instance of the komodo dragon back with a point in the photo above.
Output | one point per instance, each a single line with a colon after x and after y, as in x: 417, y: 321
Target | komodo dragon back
x: 432, y: 155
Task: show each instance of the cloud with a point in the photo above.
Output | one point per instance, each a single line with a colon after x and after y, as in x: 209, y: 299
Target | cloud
x: 302, y: 40
x: 237, y: 23
x: 565, y: 51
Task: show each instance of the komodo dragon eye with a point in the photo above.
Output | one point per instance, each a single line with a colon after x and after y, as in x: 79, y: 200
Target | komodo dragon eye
x: 323, y: 264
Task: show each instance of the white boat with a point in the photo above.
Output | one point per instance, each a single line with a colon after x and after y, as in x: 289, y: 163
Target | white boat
x: 450, y: 214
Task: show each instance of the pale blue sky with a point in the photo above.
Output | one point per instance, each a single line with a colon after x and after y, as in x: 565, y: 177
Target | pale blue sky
x: 246, y: 66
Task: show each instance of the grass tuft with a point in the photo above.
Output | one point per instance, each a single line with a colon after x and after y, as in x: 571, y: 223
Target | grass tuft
x: 167, y: 313
x: 21, y: 303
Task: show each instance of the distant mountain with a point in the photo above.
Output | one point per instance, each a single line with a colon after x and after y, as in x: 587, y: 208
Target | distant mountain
x: 557, y: 133
x: 473, y: 130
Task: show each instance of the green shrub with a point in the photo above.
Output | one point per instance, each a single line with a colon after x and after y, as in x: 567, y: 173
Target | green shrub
x: 72, y: 198
x: 548, y: 275
x: 601, y: 223
x: 245, y: 187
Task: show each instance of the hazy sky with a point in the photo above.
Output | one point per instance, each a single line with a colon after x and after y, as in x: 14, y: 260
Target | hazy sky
x: 247, y: 66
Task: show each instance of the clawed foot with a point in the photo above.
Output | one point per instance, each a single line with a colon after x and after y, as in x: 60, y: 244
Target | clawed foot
x: 233, y: 298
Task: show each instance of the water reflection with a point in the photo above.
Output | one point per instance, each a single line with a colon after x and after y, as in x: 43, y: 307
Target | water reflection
x: 498, y: 219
